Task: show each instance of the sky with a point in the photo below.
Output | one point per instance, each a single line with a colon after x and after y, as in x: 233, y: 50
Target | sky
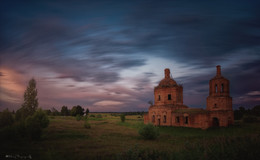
x: 109, y: 55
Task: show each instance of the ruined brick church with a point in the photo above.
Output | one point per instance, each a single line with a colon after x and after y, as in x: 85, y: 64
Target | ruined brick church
x: 169, y: 110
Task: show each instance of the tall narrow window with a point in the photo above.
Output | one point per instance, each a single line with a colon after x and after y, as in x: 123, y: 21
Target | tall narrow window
x: 164, y: 119
x: 153, y: 120
x: 222, y: 88
x: 216, y: 88
x: 169, y: 96
x: 159, y: 98
x: 215, y: 105
x: 178, y: 119
x: 186, y: 120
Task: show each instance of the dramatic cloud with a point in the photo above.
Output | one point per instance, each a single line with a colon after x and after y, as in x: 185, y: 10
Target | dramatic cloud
x: 113, y: 53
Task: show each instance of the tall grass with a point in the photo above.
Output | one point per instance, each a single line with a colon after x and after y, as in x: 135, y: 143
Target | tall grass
x: 109, y: 138
x: 244, y: 148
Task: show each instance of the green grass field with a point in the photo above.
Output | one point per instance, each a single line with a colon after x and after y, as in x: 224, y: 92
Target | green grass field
x: 109, y: 138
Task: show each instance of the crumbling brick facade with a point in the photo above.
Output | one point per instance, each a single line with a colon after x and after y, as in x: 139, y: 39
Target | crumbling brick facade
x: 168, y: 108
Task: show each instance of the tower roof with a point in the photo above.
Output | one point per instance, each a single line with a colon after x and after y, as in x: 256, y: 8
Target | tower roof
x: 167, y: 81
x: 218, y: 73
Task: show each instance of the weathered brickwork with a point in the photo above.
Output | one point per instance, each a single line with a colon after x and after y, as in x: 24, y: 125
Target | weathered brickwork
x: 169, y: 110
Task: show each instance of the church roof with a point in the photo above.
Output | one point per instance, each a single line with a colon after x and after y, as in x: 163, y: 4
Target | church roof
x: 218, y: 74
x: 167, y: 81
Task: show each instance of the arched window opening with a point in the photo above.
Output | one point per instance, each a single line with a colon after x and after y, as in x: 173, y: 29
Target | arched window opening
x: 186, y: 120
x: 215, y: 105
x: 164, y: 119
x: 216, y: 88
x: 178, y: 119
x: 222, y: 88
x: 159, y: 98
x: 153, y: 120
x: 169, y: 96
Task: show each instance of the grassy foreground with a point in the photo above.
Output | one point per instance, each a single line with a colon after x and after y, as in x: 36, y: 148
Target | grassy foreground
x: 109, y: 138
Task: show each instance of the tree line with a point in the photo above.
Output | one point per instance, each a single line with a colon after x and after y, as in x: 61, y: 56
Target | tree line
x: 247, y: 115
x: 65, y: 111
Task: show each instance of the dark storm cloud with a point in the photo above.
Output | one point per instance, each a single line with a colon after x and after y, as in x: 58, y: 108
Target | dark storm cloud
x: 70, y: 51
x: 201, y: 31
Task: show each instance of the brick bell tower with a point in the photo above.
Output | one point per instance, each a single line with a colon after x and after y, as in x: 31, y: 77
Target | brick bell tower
x: 219, y: 98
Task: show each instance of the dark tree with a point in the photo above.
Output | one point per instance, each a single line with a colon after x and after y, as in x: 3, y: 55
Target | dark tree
x: 30, y: 101
x: 54, y: 112
x: 256, y: 110
x: 6, y: 118
x: 87, y: 111
x: 64, y: 111
x: 122, y: 117
x: 77, y: 110
x: 47, y: 111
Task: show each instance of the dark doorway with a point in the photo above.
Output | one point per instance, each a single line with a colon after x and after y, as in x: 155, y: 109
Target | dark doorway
x: 186, y: 120
x: 178, y: 119
x: 215, y: 122
x: 159, y: 122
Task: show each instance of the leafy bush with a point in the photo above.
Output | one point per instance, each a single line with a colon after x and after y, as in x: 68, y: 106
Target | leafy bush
x: 149, y: 131
x: 92, y: 115
x: 122, y: 117
x: 77, y: 110
x: 249, y: 119
x: 99, y: 116
x: 6, y: 118
x: 87, y: 125
x: 78, y: 117
x: 35, y: 123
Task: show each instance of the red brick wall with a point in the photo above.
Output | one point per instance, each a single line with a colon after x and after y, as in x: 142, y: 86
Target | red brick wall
x: 175, y: 92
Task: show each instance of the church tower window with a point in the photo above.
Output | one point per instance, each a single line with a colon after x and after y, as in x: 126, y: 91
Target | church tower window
x: 216, y: 88
x: 169, y: 96
x: 222, y: 88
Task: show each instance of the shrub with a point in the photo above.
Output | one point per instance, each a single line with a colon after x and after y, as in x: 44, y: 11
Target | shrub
x: 249, y: 119
x: 99, y: 116
x: 78, y: 117
x: 34, y: 131
x: 149, y: 131
x: 6, y: 118
x: 35, y: 123
x: 87, y: 125
x: 122, y: 117
x: 92, y: 115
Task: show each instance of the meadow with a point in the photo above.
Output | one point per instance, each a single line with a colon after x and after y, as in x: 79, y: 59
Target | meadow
x: 109, y: 138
